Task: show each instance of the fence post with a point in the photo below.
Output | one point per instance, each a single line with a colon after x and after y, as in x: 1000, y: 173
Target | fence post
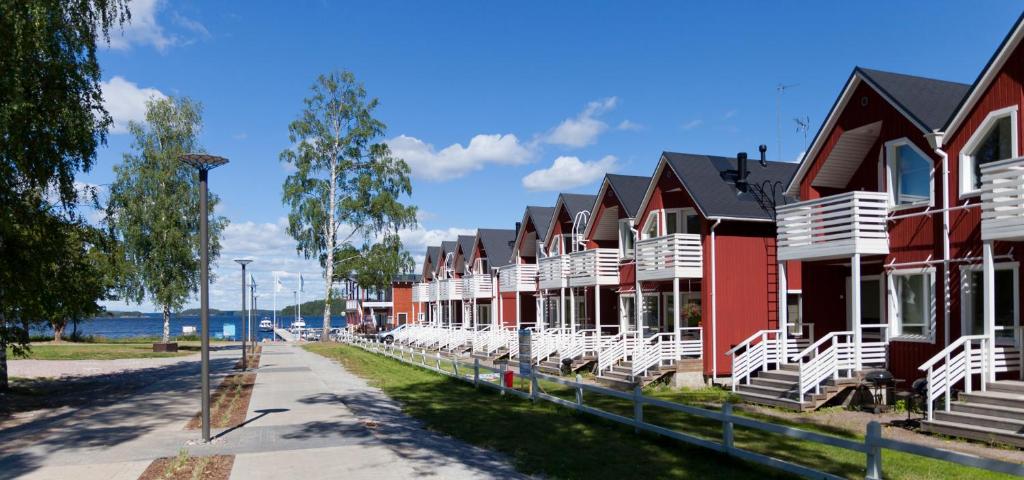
x: 455, y: 367
x: 579, y: 390
x: 638, y: 408
x: 476, y: 373
x: 727, y: 435
x: 534, y: 385
x: 874, y: 454
x: 501, y: 377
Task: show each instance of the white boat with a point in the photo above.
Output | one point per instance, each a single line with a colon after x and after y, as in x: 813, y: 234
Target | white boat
x: 299, y: 323
x: 266, y: 325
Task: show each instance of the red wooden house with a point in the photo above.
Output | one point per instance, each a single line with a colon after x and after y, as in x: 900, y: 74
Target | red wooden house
x: 517, y: 281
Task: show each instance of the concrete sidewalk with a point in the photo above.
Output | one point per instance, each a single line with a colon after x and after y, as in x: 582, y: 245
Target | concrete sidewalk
x: 308, y: 418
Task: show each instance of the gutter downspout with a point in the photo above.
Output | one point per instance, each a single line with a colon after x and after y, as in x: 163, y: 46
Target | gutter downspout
x: 637, y: 294
x: 714, y: 309
x: 935, y: 139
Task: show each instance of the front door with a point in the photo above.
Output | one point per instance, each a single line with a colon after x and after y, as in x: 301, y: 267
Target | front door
x: 1006, y: 312
x: 871, y: 306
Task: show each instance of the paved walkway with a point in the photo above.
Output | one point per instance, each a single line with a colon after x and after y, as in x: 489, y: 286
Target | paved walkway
x: 308, y: 418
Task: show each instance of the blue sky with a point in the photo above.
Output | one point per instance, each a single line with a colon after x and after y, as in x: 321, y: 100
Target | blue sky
x: 500, y: 105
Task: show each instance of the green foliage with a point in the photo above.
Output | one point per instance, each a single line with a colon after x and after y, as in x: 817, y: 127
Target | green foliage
x: 375, y: 266
x: 337, y: 308
x: 345, y: 193
x: 154, y: 207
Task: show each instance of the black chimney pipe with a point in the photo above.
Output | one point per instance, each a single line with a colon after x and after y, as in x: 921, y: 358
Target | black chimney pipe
x: 741, y: 171
x: 763, y: 148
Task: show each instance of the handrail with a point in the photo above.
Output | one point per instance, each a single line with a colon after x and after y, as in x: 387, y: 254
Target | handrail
x: 961, y: 366
x: 942, y: 355
x: 748, y: 340
x: 813, y: 348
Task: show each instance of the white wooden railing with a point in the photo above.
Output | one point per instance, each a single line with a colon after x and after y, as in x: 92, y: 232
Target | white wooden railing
x: 828, y: 358
x: 432, y: 291
x: 351, y: 305
x: 1002, y: 200
x: 761, y: 350
x: 615, y: 349
x: 477, y: 285
x: 834, y: 226
x: 553, y: 272
x: 597, y: 266
x: 449, y: 289
x: 420, y: 292
x: 518, y: 278
x: 653, y: 351
x: 579, y: 343
x: 670, y: 256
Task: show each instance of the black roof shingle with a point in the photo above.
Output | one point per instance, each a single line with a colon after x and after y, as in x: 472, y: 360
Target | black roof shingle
x: 929, y: 101
x: 706, y: 178
x: 629, y: 189
x: 498, y: 245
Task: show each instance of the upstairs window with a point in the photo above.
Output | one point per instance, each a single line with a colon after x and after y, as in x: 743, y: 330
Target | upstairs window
x: 681, y: 221
x: 995, y: 139
x: 626, y: 242
x: 910, y: 174
x: 650, y: 226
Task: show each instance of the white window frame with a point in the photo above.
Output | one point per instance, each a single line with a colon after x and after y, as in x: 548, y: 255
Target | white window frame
x: 623, y: 251
x: 682, y: 214
x: 890, y: 155
x: 967, y: 302
x: 403, y: 318
x: 667, y: 300
x: 655, y: 217
x: 967, y: 160
x: 896, y: 334
x: 798, y: 330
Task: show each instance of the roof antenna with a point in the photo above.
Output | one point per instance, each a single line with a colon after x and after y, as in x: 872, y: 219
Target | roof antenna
x: 803, y: 125
x: 779, y: 90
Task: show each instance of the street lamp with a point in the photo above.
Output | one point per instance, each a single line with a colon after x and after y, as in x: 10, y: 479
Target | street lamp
x: 243, y: 262
x: 204, y: 163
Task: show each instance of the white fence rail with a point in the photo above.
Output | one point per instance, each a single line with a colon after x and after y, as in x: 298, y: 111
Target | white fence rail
x: 834, y: 226
x: 476, y: 286
x: 871, y: 447
x: 1002, y: 200
x: 518, y: 278
x: 553, y: 272
x: 677, y: 255
x: 597, y: 266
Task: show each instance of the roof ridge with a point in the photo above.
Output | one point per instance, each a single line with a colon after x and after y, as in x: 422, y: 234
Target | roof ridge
x: 922, y: 77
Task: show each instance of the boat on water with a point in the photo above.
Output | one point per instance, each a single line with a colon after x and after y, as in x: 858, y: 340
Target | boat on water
x: 299, y: 323
x: 266, y: 325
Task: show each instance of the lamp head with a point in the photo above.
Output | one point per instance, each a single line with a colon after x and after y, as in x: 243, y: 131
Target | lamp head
x: 243, y: 261
x: 202, y: 161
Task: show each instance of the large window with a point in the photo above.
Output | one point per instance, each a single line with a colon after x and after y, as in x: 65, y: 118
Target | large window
x: 627, y: 311
x: 625, y: 239
x: 910, y: 174
x: 794, y: 311
x: 913, y: 303
x: 650, y: 226
x: 681, y: 221
x: 995, y: 140
x: 972, y: 291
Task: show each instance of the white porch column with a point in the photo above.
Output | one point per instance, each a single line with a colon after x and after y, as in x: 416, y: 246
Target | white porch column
x: 572, y: 309
x: 539, y: 312
x: 988, y: 274
x: 597, y: 309
x: 561, y: 308
x: 677, y: 316
x: 855, y: 309
x: 783, y: 314
x: 519, y: 322
x: 501, y: 309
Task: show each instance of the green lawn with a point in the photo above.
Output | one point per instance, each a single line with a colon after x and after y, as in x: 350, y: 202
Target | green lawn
x: 96, y: 351
x: 551, y: 440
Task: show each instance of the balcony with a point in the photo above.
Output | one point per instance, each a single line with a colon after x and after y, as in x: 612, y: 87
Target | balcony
x: 432, y: 291
x: 351, y: 305
x: 1002, y: 200
x: 449, y: 289
x: 836, y: 226
x: 597, y: 266
x: 476, y: 286
x: 678, y: 255
x: 420, y: 292
x: 518, y: 278
x: 553, y: 272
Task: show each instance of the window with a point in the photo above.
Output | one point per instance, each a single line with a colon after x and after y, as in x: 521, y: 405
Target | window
x: 582, y: 320
x: 973, y: 306
x: 650, y: 226
x: 627, y: 311
x: 913, y: 307
x: 419, y: 317
x: 995, y: 140
x: 483, y: 314
x: 625, y: 239
x: 910, y: 174
x: 402, y: 318
x: 794, y: 308
x: 690, y: 316
x: 681, y: 221
x: 480, y: 265
x: 651, y: 314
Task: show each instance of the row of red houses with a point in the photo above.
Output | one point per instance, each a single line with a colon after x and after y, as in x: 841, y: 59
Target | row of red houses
x: 891, y: 245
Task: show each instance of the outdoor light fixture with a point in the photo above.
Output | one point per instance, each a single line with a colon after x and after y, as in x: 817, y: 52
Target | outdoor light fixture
x: 204, y: 163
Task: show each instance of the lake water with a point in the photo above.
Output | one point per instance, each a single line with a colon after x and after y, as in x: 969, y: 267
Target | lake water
x: 151, y: 325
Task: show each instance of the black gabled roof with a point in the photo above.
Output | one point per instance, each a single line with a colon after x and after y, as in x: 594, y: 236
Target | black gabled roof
x: 498, y: 245
x: 446, y: 248
x: 466, y: 244
x: 577, y: 202
x: 432, y: 254
x: 708, y: 181
x: 541, y: 218
x: 929, y: 101
x: 629, y: 189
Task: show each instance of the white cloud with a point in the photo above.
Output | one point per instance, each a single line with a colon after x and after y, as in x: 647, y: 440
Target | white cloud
x: 569, y: 172
x: 456, y: 160
x: 418, y: 239
x: 729, y: 114
x: 145, y: 28
x: 584, y: 129
x: 126, y: 102
x: 692, y: 124
x: 629, y: 126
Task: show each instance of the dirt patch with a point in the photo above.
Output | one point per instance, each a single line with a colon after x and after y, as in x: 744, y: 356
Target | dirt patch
x: 229, y: 403
x: 253, y: 356
x: 186, y: 467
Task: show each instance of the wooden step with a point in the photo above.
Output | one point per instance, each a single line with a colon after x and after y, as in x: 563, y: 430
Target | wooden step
x: 784, y: 375
x: 993, y: 398
x: 788, y: 393
x: 789, y: 404
x: 771, y: 382
x: 1011, y: 413
x: 984, y: 434
x: 616, y: 383
x: 1008, y: 386
x: 999, y: 423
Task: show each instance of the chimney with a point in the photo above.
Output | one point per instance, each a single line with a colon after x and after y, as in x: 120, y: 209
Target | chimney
x: 741, y: 171
x: 763, y: 148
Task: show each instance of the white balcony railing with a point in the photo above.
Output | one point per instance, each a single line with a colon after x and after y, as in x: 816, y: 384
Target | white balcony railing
x: 449, y: 289
x: 420, y: 292
x: 518, y: 278
x: 678, y: 255
x: 834, y: 226
x: 476, y: 286
x: 553, y: 272
x: 351, y: 305
x: 1002, y: 200
x: 597, y: 266
x: 432, y: 291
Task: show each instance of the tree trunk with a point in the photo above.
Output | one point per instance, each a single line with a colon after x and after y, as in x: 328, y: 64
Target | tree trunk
x: 3, y: 356
x: 58, y: 331
x: 331, y: 239
x: 167, y: 324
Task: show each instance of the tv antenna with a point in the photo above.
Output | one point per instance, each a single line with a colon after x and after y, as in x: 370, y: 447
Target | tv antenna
x: 779, y: 90
x: 803, y: 125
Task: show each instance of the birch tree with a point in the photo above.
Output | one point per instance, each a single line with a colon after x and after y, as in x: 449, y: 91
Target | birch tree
x: 347, y: 188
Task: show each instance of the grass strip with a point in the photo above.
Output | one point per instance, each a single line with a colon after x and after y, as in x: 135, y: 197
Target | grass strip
x: 187, y: 467
x: 94, y: 351
x: 230, y: 402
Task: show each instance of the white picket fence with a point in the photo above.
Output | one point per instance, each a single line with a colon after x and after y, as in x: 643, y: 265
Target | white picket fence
x: 871, y: 447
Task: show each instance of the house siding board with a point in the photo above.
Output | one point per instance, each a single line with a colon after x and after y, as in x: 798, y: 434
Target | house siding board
x: 401, y: 298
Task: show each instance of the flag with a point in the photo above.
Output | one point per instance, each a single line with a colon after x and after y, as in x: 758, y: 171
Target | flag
x: 301, y: 282
x: 278, y: 286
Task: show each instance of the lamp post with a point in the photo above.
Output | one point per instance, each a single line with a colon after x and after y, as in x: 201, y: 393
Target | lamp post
x: 243, y: 262
x: 204, y: 163
x: 252, y: 309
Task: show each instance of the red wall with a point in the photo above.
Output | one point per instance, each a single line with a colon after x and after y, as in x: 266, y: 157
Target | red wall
x: 401, y: 301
